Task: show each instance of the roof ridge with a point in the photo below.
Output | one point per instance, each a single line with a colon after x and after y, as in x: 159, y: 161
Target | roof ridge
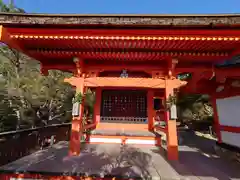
x: 123, y: 15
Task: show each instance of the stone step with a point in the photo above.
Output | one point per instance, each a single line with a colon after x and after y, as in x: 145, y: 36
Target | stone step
x: 123, y: 132
x: 140, y: 140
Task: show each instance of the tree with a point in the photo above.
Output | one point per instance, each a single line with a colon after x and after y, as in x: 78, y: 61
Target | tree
x: 89, y: 102
x: 45, y: 100
x: 14, y: 57
x: 193, y: 107
x: 55, y: 98
x: 10, y: 7
x: 195, y: 110
x: 7, y: 117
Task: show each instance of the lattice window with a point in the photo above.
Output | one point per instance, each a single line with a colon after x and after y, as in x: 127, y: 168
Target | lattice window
x: 122, y: 105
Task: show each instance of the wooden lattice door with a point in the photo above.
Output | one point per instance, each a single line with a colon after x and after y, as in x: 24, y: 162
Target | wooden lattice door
x: 129, y: 106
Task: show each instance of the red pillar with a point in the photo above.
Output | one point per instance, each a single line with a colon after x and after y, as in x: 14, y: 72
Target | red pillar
x: 77, y: 127
x: 216, y: 119
x: 97, y: 105
x: 150, y: 109
x: 171, y: 127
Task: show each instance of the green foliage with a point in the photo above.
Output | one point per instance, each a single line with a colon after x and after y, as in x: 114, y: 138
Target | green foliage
x: 78, y: 98
x: 89, y: 101
x: 184, y: 76
x: 195, y: 108
x: 30, y: 99
x: 8, y: 119
x: 172, y: 99
x: 33, y: 99
x: 11, y: 8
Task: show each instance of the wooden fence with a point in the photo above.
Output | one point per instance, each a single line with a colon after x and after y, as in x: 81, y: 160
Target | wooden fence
x: 16, y: 144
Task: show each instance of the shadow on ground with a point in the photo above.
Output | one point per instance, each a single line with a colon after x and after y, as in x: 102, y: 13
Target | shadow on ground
x: 95, y: 160
x: 197, y: 161
x: 197, y: 158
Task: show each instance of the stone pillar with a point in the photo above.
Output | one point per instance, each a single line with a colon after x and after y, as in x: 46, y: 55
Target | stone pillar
x: 171, y: 127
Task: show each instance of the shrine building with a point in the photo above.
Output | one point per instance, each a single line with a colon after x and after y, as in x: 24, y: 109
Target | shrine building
x: 133, y: 64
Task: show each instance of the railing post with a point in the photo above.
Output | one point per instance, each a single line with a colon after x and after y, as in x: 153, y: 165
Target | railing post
x: 77, y: 126
x: 171, y: 128
x: 150, y: 109
x: 216, y: 119
x: 97, y: 105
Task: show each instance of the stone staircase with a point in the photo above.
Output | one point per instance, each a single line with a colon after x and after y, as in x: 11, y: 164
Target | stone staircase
x: 123, y: 136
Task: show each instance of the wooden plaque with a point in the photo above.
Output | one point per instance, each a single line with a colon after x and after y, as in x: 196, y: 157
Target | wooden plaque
x: 173, y: 112
x: 76, y: 109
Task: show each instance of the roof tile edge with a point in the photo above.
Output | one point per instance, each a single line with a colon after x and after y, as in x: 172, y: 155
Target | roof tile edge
x: 124, y: 19
x: 122, y: 15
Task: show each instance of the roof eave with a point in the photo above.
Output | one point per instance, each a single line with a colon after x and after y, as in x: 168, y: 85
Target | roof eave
x: 120, y: 20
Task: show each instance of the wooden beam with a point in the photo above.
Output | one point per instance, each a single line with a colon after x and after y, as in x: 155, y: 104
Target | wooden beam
x: 124, y: 82
x: 97, y: 106
x: 117, y: 67
x: 150, y: 109
x: 6, y: 39
x: 220, y: 73
x: 223, y: 73
x: 171, y: 132
x: 231, y: 88
x: 79, y: 66
x: 172, y: 62
x: 196, y: 77
x: 216, y: 118
x: 135, y: 67
x: 235, y: 52
x: 43, y: 70
x: 33, y: 32
x: 3, y: 34
x: 133, y: 55
x: 63, y: 67
x: 77, y: 126
x: 203, y: 87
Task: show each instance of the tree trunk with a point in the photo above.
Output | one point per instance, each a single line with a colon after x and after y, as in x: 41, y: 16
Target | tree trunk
x: 18, y: 111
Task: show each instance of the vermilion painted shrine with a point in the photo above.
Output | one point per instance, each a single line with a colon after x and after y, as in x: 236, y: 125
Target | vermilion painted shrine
x: 131, y: 60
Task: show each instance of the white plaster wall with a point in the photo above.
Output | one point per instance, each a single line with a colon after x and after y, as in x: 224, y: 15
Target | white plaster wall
x: 229, y: 111
x: 231, y: 138
x: 229, y: 115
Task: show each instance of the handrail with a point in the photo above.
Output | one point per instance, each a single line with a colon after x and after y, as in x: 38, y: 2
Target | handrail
x: 89, y: 126
x: 16, y: 144
x: 32, y: 129
x: 161, y: 128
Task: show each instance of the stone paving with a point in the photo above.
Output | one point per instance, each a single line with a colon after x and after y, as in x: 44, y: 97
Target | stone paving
x: 197, y: 161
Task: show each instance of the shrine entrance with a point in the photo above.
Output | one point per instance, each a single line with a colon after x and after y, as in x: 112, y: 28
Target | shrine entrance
x: 134, y: 67
x: 124, y: 106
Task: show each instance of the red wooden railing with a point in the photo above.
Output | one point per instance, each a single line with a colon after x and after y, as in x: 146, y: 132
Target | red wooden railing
x: 160, y: 128
x: 28, y: 176
x: 16, y: 144
x: 89, y: 126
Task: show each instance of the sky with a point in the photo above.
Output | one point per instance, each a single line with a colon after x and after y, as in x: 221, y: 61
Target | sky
x: 129, y: 6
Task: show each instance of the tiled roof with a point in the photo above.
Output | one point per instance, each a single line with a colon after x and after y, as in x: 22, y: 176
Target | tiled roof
x: 120, y: 19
